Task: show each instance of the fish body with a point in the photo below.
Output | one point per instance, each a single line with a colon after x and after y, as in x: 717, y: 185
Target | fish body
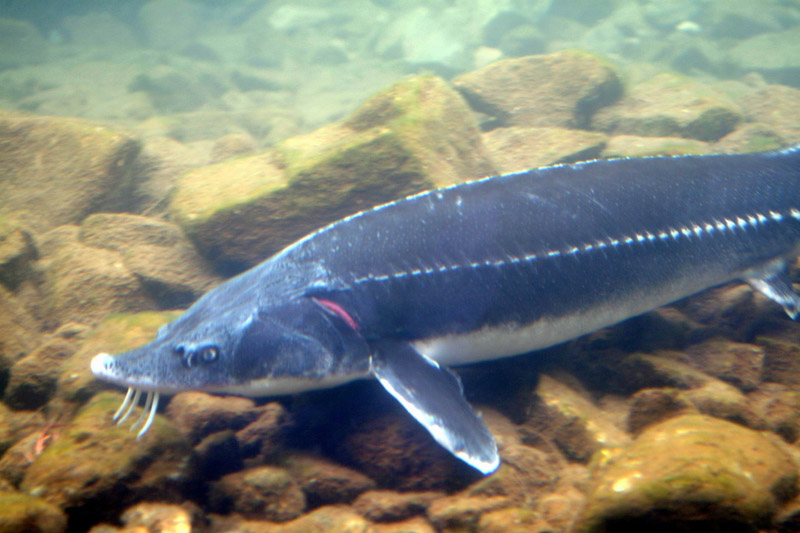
x: 480, y: 270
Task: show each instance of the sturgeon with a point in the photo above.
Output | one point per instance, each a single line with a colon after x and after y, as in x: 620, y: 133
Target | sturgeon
x: 476, y: 271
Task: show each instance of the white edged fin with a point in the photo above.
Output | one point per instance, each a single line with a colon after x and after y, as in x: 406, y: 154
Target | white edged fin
x: 778, y: 288
x: 432, y: 394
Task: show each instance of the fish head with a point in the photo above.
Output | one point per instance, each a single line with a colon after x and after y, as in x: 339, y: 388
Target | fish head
x: 255, y: 351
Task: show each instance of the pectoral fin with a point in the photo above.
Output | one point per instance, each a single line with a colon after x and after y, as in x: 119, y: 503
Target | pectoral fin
x: 778, y: 287
x: 434, y: 396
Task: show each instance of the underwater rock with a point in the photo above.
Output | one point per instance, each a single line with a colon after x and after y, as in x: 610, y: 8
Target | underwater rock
x: 635, y: 146
x: 412, y: 525
x: 86, y: 284
x: 17, y: 253
x: 161, y: 517
x: 325, y: 482
x: 563, y: 89
x: 21, y: 513
x: 415, y: 135
x: 218, y: 454
x: 650, y: 406
x: 94, y: 467
x: 99, y: 30
x: 751, y: 137
x: 232, y: 145
x: 265, y: 436
x: 454, y: 513
x: 777, y: 106
x: 115, y: 334
x: 515, y: 148
x: 198, y: 414
x: 263, y: 492
x: 85, y: 165
x: 781, y: 360
x: 525, y: 474
x: 773, y: 55
x: 34, y: 377
x: 722, y: 400
x: 568, y: 418
x: 18, y: 330
x: 391, y: 506
x: 395, y: 451
x: 156, y: 252
x: 512, y: 520
x: 669, y: 105
x: 689, y: 471
x: 779, y: 405
x: 736, y: 363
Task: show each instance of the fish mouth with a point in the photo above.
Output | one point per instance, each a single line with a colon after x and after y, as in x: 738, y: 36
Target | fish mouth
x: 102, y: 367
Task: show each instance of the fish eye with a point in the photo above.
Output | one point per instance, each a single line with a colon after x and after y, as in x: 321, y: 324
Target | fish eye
x: 209, y: 354
x: 180, y: 350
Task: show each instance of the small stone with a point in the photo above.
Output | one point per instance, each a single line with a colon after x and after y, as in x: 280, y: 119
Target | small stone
x: 777, y: 106
x: 328, y: 518
x: 390, y: 506
x: 264, y: 492
x: 198, y: 414
x: 325, y: 482
x: 721, y: 400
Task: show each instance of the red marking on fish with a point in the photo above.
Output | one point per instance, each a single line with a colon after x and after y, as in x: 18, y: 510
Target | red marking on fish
x: 339, y: 311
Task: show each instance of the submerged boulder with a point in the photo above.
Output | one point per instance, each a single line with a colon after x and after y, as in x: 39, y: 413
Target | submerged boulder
x: 58, y: 170
x: 563, y: 89
x: 97, y: 467
x: 416, y: 135
x: 691, y: 470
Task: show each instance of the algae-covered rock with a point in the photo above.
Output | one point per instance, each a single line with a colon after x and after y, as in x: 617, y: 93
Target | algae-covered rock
x: 462, y: 513
x: 751, y: 137
x: 691, y: 470
x: 781, y: 360
x: 85, y: 165
x: 115, y: 334
x: 563, y: 89
x: 569, y: 419
x: 18, y: 331
x: 415, y: 135
x: 325, y: 482
x: 34, y: 377
x: 198, y: 414
x: 95, y: 464
x: 737, y: 363
x: 516, y: 148
x: 263, y: 492
x: 21, y: 513
x: 668, y: 105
